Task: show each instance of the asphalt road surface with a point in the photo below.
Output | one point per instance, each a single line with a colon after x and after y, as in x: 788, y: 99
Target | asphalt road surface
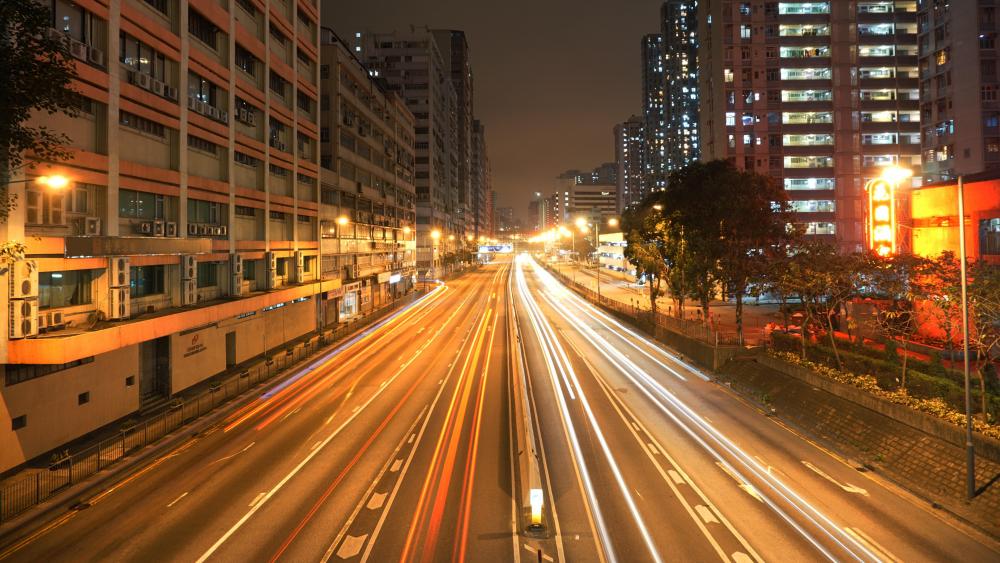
x: 403, y: 444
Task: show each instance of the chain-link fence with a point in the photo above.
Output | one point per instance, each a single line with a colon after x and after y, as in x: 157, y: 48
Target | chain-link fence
x: 22, y: 493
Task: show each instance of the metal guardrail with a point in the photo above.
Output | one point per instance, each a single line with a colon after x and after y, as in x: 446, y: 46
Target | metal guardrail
x: 19, y: 494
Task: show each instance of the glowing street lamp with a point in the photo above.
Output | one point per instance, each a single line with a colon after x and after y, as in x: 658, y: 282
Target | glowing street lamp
x: 56, y: 181
x: 343, y: 220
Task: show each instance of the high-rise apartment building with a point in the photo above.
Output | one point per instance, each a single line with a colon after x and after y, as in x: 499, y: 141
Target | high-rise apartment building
x: 820, y: 95
x: 653, y: 114
x: 367, y: 197
x: 628, y: 159
x: 455, y: 52
x: 679, y: 29
x: 504, y: 220
x: 412, y: 65
x: 482, y: 188
x: 187, y: 241
x: 959, y: 88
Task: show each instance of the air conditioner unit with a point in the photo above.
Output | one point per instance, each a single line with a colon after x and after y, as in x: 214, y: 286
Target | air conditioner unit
x: 242, y: 115
x: 189, y: 267
x: 23, y: 318
x: 170, y: 92
x: 118, y: 303
x: 200, y: 107
x: 216, y: 231
x: 252, y: 118
x: 211, y: 111
x: 171, y: 229
x: 118, y: 267
x: 192, y: 229
x: 236, y: 264
x: 159, y: 227
x: 271, y: 259
x: 143, y: 80
x: 96, y: 56
x: 54, y: 319
x: 272, y: 279
x: 55, y: 34
x: 192, y: 101
x: 236, y: 285
x: 146, y: 227
x: 157, y: 87
x: 204, y: 229
x: 224, y: 231
x: 78, y: 49
x: 92, y: 226
x: 223, y: 116
x: 189, y: 292
x: 43, y: 324
x: 24, y: 279
x: 300, y: 266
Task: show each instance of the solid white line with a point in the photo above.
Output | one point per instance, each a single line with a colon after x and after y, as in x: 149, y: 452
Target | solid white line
x: 176, y: 500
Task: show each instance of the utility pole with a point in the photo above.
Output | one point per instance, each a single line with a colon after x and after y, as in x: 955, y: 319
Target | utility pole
x: 970, y: 450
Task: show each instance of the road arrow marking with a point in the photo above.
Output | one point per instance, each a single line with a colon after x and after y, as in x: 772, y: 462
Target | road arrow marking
x: 706, y: 514
x: 352, y: 546
x: 847, y: 487
x: 376, y: 502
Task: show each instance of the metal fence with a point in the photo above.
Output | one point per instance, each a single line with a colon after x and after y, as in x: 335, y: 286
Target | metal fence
x: 21, y: 493
x: 692, y: 329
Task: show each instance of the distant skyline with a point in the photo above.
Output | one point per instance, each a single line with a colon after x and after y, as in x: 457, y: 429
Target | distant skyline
x: 552, y: 78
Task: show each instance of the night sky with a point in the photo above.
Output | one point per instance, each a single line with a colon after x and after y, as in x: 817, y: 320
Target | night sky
x: 552, y: 77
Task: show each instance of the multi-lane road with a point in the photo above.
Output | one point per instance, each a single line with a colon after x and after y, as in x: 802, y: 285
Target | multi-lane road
x: 407, y: 443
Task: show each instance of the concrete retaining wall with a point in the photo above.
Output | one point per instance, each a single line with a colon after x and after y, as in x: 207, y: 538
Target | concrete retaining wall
x: 985, y: 446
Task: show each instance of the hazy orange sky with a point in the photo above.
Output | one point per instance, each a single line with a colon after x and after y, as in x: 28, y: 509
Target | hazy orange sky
x: 552, y: 77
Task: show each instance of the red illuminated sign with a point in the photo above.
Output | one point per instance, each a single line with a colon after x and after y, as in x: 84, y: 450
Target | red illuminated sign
x: 881, y: 217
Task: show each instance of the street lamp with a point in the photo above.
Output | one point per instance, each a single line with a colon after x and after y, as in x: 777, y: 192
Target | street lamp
x: 55, y: 181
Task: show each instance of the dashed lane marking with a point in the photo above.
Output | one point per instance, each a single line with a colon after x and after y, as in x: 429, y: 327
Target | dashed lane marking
x: 256, y: 499
x: 176, y: 500
x: 395, y: 465
x: 675, y: 477
x: 412, y: 436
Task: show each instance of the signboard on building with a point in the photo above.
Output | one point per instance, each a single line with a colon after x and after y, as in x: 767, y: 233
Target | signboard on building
x: 384, y: 277
x: 881, y: 217
x: 503, y: 248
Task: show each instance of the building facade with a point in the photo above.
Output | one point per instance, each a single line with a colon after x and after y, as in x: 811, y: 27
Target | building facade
x: 482, y: 204
x: 820, y: 95
x: 455, y: 52
x: 628, y: 160
x: 188, y: 240
x: 367, y: 196
x: 679, y: 29
x: 653, y: 113
x: 959, y: 89
x: 412, y: 65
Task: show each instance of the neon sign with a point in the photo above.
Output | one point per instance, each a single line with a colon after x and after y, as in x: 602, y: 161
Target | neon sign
x: 881, y: 217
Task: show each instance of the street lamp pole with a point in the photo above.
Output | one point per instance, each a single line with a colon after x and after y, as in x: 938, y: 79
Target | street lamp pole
x: 597, y: 248
x: 970, y: 452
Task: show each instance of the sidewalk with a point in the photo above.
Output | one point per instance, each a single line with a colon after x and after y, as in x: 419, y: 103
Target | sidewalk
x: 722, y: 314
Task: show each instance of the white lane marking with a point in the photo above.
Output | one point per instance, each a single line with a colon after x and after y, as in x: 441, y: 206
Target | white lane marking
x: 316, y: 445
x: 421, y: 329
x: 395, y: 465
x: 412, y: 436
x: 329, y: 419
x: 706, y: 514
x: 675, y: 477
x: 376, y: 502
x: 652, y: 448
x: 747, y: 487
x: 872, y: 544
x: 355, y: 409
x: 770, y: 469
x: 351, y: 546
x: 176, y: 500
x: 846, y: 486
x: 257, y: 498
x: 231, y: 456
x: 740, y: 557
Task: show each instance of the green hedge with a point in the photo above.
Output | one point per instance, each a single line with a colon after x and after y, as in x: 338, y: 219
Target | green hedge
x: 945, y: 384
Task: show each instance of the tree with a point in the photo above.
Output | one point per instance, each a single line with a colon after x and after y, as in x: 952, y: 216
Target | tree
x: 944, y: 292
x: 37, y: 72
x: 901, y: 282
x: 643, y: 250
x: 984, y: 305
